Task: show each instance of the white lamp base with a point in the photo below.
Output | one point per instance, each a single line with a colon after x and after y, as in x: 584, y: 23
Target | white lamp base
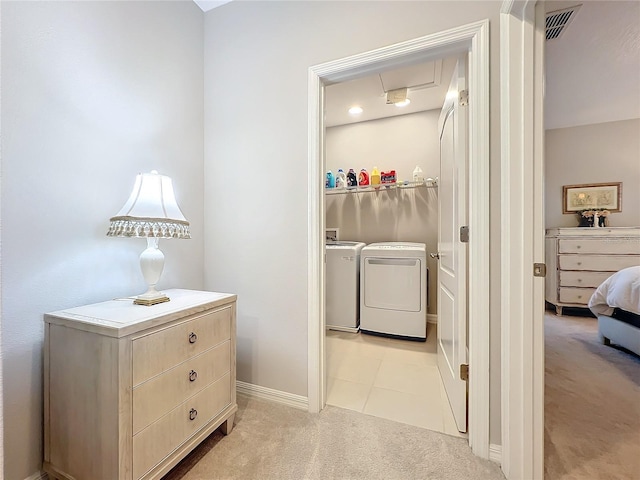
x: 151, y: 264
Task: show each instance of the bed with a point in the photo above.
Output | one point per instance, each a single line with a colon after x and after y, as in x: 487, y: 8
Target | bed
x: 616, y: 303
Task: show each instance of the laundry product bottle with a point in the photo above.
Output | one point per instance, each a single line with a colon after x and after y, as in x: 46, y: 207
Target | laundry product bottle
x: 331, y: 181
x: 341, y: 179
x: 363, y: 178
x: 418, y: 176
x: 375, y: 176
x: 352, y: 180
x: 388, y: 177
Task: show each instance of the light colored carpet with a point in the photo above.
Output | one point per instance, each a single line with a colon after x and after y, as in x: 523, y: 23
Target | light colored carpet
x: 276, y: 442
x: 592, y: 404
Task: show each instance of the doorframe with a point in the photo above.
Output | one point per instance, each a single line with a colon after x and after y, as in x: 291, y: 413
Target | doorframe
x: 472, y: 38
x: 522, y: 40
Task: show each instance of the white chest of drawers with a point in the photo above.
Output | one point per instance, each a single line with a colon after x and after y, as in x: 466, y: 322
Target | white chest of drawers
x: 579, y: 259
x: 130, y: 390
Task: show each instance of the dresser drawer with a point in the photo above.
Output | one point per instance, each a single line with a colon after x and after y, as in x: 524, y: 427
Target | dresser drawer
x: 159, y: 351
x: 575, y: 295
x: 159, y: 439
x: 613, y: 246
x: 583, y: 278
x: 154, y: 398
x: 603, y: 263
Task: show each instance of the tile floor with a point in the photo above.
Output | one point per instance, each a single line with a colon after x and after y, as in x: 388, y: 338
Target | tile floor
x: 389, y: 378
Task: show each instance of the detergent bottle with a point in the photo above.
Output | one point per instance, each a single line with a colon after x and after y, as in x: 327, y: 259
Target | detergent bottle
x: 418, y: 176
x: 352, y: 180
x: 331, y: 181
x: 375, y: 176
x: 363, y: 178
x: 388, y: 177
x: 341, y: 179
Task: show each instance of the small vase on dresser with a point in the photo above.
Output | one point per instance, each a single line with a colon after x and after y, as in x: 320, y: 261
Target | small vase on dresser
x: 130, y: 390
x: 579, y: 259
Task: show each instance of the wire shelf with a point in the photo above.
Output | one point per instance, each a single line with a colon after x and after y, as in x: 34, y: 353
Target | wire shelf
x: 383, y: 187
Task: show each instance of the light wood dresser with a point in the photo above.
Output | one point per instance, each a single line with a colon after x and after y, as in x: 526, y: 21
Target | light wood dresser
x: 130, y: 390
x: 579, y: 259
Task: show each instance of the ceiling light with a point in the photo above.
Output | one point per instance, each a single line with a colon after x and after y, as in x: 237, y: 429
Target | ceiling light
x: 403, y: 103
x: 355, y: 110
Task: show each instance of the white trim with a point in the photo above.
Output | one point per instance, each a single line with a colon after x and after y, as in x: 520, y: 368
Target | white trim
x: 432, y: 318
x: 495, y: 453
x: 473, y: 38
x: 522, y: 237
x: 478, y: 267
x: 277, y: 396
x: 316, y: 244
x: 38, y: 476
x: 2, y: 449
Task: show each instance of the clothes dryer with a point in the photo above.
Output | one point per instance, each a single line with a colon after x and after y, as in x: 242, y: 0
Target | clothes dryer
x: 343, y: 285
x: 393, y: 290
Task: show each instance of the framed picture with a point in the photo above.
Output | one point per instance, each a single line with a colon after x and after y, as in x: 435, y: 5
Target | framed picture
x: 607, y: 196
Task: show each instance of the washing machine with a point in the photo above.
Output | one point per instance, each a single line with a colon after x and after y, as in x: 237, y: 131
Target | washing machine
x: 393, y: 290
x: 343, y: 285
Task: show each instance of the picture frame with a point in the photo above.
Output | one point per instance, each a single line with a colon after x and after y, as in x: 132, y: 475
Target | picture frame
x: 592, y: 196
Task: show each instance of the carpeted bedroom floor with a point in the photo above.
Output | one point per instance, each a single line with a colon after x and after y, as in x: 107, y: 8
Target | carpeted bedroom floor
x: 592, y: 404
x: 592, y: 429
x: 275, y: 442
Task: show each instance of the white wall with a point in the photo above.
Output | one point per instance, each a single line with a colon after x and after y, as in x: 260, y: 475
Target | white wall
x: 603, y: 152
x: 411, y: 215
x: 257, y: 56
x: 593, y: 69
x: 93, y: 93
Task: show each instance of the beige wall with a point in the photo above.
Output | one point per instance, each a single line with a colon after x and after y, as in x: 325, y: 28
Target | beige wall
x: 603, y: 152
x: 92, y: 94
x: 411, y: 215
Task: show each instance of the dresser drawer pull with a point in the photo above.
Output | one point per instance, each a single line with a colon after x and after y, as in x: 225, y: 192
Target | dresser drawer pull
x: 193, y: 337
x: 579, y: 263
x: 193, y: 375
x: 193, y: 413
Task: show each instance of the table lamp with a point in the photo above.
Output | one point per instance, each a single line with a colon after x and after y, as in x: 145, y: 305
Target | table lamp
x: 151, y: 212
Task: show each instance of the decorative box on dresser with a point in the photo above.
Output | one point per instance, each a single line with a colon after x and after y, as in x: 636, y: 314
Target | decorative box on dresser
x: 130, y: 390
x: 579, y: 259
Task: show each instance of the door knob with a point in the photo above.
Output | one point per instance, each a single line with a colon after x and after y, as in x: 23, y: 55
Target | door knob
x: 435, y: 255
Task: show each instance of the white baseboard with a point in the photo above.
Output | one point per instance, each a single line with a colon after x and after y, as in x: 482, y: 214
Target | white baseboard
x: 495, y: 453
x: 290, y: 399
x: 432, y: 318
x: 38, y: 476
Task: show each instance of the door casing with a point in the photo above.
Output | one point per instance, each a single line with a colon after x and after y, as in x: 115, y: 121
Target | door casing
x: 472, y: 38
x: 522, y: 38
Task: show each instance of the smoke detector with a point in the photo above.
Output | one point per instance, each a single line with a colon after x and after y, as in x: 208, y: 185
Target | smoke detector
x: 557, y: 21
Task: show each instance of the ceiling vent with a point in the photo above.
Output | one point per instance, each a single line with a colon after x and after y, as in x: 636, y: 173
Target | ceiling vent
x: 558, y: 21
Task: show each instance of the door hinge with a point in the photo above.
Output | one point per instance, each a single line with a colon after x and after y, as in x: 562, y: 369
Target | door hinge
x: 464, y: 234
x: 464, y: 98
x: 464, y: 372
x: 539, y: 270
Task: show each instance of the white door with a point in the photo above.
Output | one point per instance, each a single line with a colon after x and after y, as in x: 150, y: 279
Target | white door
x: 452, y: 264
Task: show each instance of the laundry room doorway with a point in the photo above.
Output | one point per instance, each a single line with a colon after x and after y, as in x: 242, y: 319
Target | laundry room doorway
x: 472, y: 39
x: 390, y: 288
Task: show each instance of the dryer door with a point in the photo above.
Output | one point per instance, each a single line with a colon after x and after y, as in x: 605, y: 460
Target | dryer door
x: 392, y: 283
